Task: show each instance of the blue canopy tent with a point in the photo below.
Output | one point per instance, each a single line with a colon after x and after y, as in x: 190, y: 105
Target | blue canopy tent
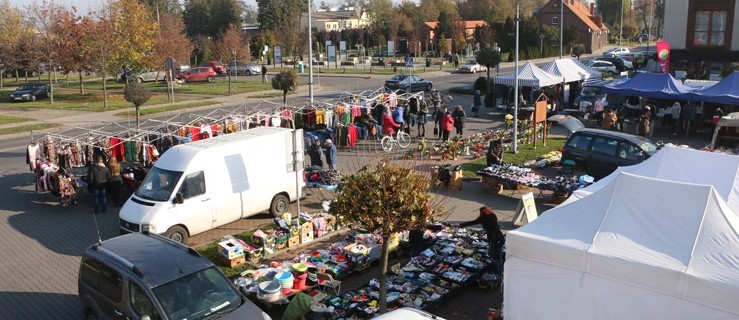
x: 725, y: 91
x: 651, y: 85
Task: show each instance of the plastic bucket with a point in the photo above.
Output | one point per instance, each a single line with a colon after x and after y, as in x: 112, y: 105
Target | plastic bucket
x: 300, y: 279
x: 286, y: 279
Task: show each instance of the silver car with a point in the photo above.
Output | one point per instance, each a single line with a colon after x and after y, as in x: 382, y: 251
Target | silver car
x: 472, y: 67
x: 247, y: 69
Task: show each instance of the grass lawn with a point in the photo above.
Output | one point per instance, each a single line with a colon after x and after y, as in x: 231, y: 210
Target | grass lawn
x: 29, y: 127
x: 218, y: 87
x: 525, y: 152
x: 210, y: 251
x: 10, y: 119
x: 167, y: 108
x: 90, y: 101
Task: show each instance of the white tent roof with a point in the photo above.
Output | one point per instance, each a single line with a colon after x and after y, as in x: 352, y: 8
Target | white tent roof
x: 638, y: 248
x: 682, y: 165
x: 529, y: 75
x: 570, y: 70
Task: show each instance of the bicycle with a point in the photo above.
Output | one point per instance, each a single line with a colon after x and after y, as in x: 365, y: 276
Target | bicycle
x: 403, y: 140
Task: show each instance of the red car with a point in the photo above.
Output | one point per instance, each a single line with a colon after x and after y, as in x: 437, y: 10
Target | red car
x: 217, y: 66
x: 197, y: 74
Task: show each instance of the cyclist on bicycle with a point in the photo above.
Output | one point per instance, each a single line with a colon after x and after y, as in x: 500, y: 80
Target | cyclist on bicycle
x: 388, y: 125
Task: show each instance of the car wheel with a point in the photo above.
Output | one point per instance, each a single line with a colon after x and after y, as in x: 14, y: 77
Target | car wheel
x: 428, y: 87
x: 90, y: 315
x: 248, y: 72
x: 139, y: 80
x: 280, y: 204
x: 33, y: 97
x: 210, y: 79
x: 184, y: 80
x: 178, y: 234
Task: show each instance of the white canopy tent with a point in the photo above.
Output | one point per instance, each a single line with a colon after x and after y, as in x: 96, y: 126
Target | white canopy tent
x: 570, y: 70
x: 638, y: 248
x: 682, y: 165
x: 529, y: 75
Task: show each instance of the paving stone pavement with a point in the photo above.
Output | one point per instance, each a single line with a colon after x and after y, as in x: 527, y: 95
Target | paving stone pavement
x: 43, y: 240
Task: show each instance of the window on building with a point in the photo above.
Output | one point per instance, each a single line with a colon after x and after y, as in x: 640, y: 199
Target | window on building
x: 555, y: 20
x: 710, y: 28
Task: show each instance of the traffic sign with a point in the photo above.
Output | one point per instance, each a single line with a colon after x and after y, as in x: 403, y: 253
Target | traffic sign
x: 170, y: 63
x: 409, y: 62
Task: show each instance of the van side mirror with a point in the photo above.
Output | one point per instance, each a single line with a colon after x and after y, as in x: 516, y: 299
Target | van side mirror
x: 178, y: 198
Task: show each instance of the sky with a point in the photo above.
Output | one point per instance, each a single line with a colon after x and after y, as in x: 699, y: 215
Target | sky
x: 81, y: 5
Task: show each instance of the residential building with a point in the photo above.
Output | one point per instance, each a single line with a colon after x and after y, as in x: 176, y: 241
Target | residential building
x: 590, y: 30
x: 335, y: 19
x: 427, y: 31
x: 703, y: 35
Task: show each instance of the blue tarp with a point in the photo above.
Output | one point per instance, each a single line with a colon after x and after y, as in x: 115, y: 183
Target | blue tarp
x: 725, y: 91
x: 651, y: 85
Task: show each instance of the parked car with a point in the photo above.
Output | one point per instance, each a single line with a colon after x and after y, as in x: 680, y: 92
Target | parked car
x: 472, y: 66
x: 197, y: 74
x: 30, y: 92
x: 617, y: 51
x: 217, y: 66
x: 405, y: 82
x: 637, y: 59
x: 247, y: 69
x: 147, y: 276
x: 600, y: 152
x: 620, y: 63
x: 182, y: 68
x: 22, y: 73
x: 602, y: 66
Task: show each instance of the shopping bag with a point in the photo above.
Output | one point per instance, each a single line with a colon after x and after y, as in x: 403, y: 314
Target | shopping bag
x: 475, y: 109
x: 436, y: 130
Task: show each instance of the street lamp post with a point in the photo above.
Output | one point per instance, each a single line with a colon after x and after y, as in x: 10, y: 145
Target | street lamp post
x: 541, y: 46
x: 621, y: 24
x: 514, y: 147
x: 310, y: 54
x: 561, y: 25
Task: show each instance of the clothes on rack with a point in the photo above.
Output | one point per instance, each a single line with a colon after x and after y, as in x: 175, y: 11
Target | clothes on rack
x: 33, y: 153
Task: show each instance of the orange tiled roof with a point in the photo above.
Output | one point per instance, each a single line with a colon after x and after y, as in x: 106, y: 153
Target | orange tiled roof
x: 471, y: 24
x: 583, y: 13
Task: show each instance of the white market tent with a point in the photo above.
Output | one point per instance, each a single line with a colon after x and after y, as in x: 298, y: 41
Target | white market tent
x: 683, y: 165
x: 638, y: 248
x: 529, y: 75
x: 570, y: 70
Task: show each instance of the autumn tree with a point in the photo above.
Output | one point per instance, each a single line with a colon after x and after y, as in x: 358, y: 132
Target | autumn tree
x: 274, y: 14
x: 285, y: 81
x: 171, y: 41
x: 138, y: 94
x: 380, y: 15
x: 232, y: 46
x: 385, y: 199
x: 169, y: 7
x: 101, y: 48
x: 10, y: 33
x: 611, y: 11
x: 578, y: 50
x: 72, y: 30
x: 291, y: 37
x: 135, y: 29
x: 43, y: 19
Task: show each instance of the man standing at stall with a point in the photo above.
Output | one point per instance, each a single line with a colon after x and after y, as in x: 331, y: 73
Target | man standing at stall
x: 314, y: 151
x: 332, y: 157
x: 97, y: 178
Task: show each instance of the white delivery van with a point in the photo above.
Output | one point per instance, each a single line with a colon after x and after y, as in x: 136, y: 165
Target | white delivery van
x: 407, y: 314
x: 198, y: 186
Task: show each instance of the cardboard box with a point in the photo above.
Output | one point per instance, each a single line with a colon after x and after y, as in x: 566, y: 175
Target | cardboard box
x: 293, y: 242
x: 233, y: 262
x: 306, y: 227
x: 306, y: 237
x: 230, y: 249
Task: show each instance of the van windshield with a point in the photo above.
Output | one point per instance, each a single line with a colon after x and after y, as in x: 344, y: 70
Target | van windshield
x: 198, y: 295
x: 590, y: 91
x: 158, y: 184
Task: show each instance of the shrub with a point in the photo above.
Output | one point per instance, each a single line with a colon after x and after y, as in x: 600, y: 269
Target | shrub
x: 482, y: 84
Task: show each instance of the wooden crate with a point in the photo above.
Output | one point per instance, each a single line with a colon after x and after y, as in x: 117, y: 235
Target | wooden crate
x: 232, y: 262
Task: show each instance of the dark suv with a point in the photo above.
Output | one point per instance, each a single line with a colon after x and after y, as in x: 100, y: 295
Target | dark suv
x: 600, y: 152
x: 617, y: 61
x: 147, y: 276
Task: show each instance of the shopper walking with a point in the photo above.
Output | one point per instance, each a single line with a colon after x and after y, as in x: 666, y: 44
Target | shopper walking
x: 609, y: 119
x: 115, y: 184
x: 495, y: 152
x: 98, y: 176
x: 644, y: 122
x: 458, y: 117
x: 446, y: 124
x: 398, y: 116
x: 436, y: 99
x: 438, y: 115
x: 496, y: 240
x: 264, y: 73
x: 332, y: 157
x: 421, y: 120
x: 476, y: 103
x: 314, y: 151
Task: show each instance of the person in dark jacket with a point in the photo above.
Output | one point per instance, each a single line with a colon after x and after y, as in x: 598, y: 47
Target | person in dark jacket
x: 495, y: 152
x: 314, y: 151
x: 496, y: 240
x: 98, y: 176
x: 115, y: 183
x: 458, y: 115
x: 437, y: 120
x: 332, y: 157
x: 476, y: 103
x: 264, y: 73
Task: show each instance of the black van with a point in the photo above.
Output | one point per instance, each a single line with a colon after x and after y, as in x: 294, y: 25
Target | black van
x: 147, y: 276
x: 600, y: 152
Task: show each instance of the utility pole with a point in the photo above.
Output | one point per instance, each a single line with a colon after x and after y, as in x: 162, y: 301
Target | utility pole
x: 649, y: 27
x: 621, y: 24
x: 310, y: 54
x: 514, y: 148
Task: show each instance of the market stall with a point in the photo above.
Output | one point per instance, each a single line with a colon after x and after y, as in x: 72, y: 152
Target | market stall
x: 638, y: 248
x: 651, y: 85
x: 506, y: 176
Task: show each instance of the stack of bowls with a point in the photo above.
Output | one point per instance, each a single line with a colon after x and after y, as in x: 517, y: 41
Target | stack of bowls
x: 269, y: 291
x: 300, y: 274
x: 286, y: 280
